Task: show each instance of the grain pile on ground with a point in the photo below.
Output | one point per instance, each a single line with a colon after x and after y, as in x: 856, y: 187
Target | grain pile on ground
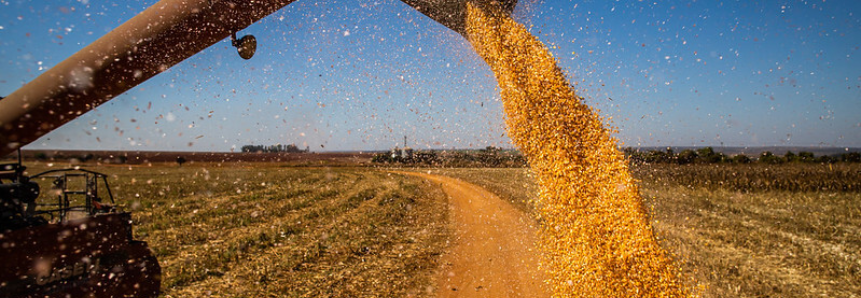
x: 595, y: 230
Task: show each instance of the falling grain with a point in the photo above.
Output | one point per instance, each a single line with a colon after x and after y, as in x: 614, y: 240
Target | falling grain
x: 595, y: 230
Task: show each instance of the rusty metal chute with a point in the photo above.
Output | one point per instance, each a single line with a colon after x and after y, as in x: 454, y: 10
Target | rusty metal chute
x: 156, y: 39
x: 153, y: 41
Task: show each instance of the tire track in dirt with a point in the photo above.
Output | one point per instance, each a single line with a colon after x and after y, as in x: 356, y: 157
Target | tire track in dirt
x: 494, y: 251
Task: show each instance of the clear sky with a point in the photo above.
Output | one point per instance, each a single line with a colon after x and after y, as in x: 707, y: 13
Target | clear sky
x: 359, y: 75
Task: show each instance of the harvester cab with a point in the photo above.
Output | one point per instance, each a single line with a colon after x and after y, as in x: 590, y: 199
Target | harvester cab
x: 69, y: 241
x: 17, y: 198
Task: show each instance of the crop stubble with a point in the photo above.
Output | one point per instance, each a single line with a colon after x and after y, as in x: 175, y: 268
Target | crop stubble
x: 260, y: 230
x: 737, y: 240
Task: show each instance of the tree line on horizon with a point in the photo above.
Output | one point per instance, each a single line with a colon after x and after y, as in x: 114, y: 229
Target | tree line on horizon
x: 494, y: 157
x: 490, y: 156
x: 292, y: 148
x: 709, y: 155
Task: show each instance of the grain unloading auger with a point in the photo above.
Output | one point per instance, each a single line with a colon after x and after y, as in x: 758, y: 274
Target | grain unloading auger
x: 95, y: 255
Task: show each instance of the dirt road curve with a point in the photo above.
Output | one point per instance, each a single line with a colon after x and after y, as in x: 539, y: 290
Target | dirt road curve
x: 494, y: 252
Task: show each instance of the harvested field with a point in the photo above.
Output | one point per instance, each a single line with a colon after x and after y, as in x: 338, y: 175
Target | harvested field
x: 145, y: 157
x: 247, y: 231
x: 261, y: 231
x: 734, y: 243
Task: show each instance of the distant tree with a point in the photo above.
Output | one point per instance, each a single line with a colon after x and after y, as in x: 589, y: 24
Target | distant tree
x: 720, y: 157
x: 851, y: 157
x: 279, y: 148
x: 806, y: 156
x: 292, y: 148
x: 180, y: 160
x: 382, y: 158
x: 251, y: 149
x: 426, y: 157
x: 41, y: 156
x: 686, y: 156
x: 770, y: 158
x: 825, y: 159
x: 791, y: 157
x: 492, y: 149
x: 656, y: 156
x: 634, y: 155
x: 704, y: 154
x: 741, y: 159
x: 708, y: 155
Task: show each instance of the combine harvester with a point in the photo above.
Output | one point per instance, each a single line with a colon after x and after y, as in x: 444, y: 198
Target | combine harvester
x: 79, y: 245
x: 53, y: 248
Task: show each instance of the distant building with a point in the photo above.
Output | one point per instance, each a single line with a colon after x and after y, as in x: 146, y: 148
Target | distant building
x: 396, y: 152
x: 405, y: 153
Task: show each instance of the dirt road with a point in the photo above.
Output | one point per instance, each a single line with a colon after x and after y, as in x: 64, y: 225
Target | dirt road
x: 494, y: 252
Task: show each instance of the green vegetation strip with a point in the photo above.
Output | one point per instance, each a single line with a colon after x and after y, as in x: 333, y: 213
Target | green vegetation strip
x: 844, y: 177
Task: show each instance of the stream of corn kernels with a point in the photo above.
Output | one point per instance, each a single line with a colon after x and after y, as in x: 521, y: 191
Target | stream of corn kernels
x: 595, y: 231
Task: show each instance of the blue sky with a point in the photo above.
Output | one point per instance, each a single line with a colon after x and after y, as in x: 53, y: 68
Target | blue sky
x: 359, y: 75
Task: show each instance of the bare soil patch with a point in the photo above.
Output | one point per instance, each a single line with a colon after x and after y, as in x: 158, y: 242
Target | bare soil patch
x: 494, y: 252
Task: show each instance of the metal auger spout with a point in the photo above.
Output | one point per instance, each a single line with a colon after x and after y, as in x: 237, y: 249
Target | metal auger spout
x: 153, y: 41
x: 452, y: 13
